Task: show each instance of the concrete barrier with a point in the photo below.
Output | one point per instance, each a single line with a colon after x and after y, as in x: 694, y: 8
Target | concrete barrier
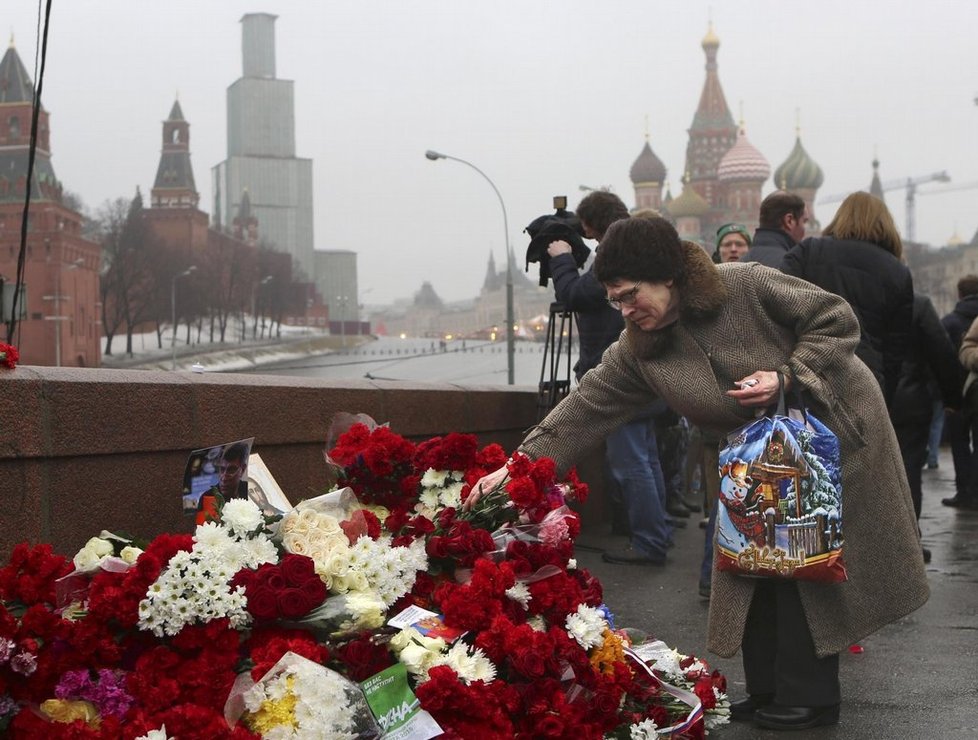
x: 85, y: 449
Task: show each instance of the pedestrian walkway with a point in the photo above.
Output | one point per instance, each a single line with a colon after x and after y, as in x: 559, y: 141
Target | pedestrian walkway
x: 913, y: 679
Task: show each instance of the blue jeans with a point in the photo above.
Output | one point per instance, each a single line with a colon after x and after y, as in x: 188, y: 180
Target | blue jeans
x: 633, y: 459
x: 706, y: 566
x: 936, y: 429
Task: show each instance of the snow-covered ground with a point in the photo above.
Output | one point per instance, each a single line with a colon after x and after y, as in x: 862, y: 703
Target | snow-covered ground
x: 313, y: 354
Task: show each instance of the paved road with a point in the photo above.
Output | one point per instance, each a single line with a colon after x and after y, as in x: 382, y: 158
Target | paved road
x: 914, y: 679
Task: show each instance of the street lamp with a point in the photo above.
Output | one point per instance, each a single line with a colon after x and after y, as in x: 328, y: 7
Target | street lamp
x: 173, y: 311
x: 254, y: 317
x: 57, y: 298
x: 343, y: 301
x: 510, y: 343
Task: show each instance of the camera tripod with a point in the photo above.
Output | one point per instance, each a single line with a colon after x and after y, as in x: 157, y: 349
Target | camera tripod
x: 558, y: 380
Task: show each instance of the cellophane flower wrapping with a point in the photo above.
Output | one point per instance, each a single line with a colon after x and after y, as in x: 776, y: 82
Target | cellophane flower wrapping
x: 302, y: 700
x: 513, y: 637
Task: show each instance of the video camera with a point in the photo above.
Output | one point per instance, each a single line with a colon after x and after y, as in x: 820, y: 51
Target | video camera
x: 563, y: 225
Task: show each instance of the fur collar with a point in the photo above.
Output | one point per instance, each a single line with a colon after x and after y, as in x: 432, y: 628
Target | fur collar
x: 701, y: 297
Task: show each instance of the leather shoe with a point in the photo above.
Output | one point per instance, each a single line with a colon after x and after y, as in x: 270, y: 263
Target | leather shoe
x: 743, y: 710
x: 676, y: 523
x: 677, y: 509
x: 776, y: 717
x: 960, y: 502
x: 628, y: 556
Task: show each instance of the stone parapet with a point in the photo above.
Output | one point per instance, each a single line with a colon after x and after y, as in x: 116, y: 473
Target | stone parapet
x: 84, y: 449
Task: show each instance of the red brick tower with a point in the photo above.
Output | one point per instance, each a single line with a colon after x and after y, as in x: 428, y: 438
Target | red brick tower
x: 58, y: 301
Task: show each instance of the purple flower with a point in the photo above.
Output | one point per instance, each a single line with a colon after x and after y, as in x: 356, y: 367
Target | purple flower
x: 6, y: 649
x: 73, y: 684
x: 24, y: 663
x: 7, y: 705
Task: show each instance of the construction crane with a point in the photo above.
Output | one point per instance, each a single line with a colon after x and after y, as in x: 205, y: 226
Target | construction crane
x: 910, y: 184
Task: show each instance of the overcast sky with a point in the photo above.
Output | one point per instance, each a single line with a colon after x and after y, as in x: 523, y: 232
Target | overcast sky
x: 542, y: 96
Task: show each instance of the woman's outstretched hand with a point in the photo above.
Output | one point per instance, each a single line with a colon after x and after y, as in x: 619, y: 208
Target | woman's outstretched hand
x: 484, y: 485
x: 760, y: 388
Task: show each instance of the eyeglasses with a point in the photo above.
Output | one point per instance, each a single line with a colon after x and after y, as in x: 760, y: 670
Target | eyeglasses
x: 627, y: 298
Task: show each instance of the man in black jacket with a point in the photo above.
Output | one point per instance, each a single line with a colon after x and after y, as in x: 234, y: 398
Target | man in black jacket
x: 631, y: 452
x: 781, y: 225
x: 931, y: 371
x: 962, y: 431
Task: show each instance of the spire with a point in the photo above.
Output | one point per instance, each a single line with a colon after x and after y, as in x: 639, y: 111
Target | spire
x: 15, y: 83
x: 174, y: 186
x: 17, y: 103
x: 713, y: 131
x: 875, y: 186
x: 491, y: 276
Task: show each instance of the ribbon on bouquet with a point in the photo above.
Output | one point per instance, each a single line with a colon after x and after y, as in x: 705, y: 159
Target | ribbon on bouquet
x: 687, y: 697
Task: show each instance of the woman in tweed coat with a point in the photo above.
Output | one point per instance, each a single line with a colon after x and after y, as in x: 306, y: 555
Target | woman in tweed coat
x: 694, y: 332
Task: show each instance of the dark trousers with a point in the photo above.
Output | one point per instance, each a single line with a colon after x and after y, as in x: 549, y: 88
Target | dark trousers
x: 913, y: 439
x: 962, y: 432
x: 779, y: 655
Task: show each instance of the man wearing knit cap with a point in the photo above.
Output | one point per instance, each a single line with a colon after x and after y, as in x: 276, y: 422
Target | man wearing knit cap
x: 781, y: 226
x: 733, y: 242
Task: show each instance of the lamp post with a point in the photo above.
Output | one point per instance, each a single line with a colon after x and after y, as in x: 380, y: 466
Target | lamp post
x: 57, y: 298
x: 343, y: 301
x: 173, y: 311
x: 254, y: 316
x: 510, y: 343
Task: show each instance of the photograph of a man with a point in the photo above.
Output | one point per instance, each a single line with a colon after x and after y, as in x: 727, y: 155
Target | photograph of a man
x: 216, y: 471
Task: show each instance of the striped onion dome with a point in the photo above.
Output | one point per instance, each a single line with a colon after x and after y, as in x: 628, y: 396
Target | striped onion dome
x: 689, y: 203
x: 799, y: 171
x: 743, y: 162
x: 648, y: 167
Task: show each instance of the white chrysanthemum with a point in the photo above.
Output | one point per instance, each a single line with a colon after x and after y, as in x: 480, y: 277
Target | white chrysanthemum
x: 586, y: 626
x: 428, y: 498
x: 572, y: 564
x: 434, y: 478
x: 470, y: 663
x: 159, y: 734
x: 242, y: 515
x: 258, y: 551
x: 644, y: 730
x: 211, y: 535
x: 451, y: 495
x: 520, y: 592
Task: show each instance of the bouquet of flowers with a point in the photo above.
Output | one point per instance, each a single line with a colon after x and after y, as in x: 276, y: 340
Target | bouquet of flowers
x: 383, y: 593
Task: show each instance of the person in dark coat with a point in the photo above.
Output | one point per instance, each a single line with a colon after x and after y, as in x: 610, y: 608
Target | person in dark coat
x: 962, y: 429
x: 931, y: 371
x: 633, y: 465
x: 858, y: 258
x: 781, y: 225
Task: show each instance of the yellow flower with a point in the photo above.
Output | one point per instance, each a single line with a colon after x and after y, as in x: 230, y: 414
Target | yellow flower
x: 611, y: 651
x: 67, y: 711
x: 275, y: 713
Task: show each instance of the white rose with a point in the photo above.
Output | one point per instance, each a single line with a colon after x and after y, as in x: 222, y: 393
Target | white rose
x: 100, y: 547
x: 130, y: 554
x: 85, y: 560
